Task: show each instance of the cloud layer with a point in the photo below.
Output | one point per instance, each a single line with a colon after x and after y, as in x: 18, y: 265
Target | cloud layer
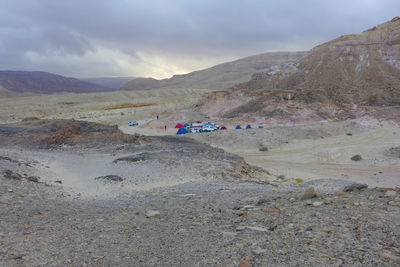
x: 159, y: 38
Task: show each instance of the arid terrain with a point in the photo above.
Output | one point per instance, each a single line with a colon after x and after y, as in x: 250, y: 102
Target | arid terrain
x: 317, y: 185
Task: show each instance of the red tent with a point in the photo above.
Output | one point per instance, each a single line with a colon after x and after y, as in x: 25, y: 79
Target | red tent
x: 223, y: 128
x: 179, y: 125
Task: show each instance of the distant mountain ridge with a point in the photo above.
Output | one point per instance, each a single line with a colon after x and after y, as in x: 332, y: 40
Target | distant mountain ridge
x: 221, y: 76
x: 109, y: 82
x: 45, y: 83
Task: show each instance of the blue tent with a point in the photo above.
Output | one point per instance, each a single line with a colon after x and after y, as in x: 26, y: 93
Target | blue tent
x: 260, y: 127
x: 248, y: 126
x: 186, y: 125
x: 238, y: 127
x: 182, y: 131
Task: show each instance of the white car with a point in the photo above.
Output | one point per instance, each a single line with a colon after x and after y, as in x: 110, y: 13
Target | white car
x: 195, y: 130
x: 209, y: 128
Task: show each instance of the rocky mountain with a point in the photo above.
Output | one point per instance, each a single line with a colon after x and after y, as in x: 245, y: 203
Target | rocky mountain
x: 221, y: 76
x: 358, y: 68
x: 44, y: 83
x: 109, y: 82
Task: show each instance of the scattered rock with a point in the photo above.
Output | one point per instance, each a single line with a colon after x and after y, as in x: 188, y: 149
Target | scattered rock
x: 309, y: 228
x: 327, y: 229
x: 249, y: 207
x: 58, y: 181
x: 317, y: 203
x: 12, y: 175
x: 229, y: 234
x: 110, y: 178
x: 308, y: 202
x: 189, y: 195
x: 152, y: 213
x: 261, y: 201
x: 390, y: 193
x: 244, y: 263
x: 354, y: 186
x: 309, y: 193
x: 34, y: 179
x: 259, y: 251
x: 258, y: 229
x: 241, y: 213
x: 387, y: 255
x: 270, y: 210
x: 181, y: 231
x: 240, y: 228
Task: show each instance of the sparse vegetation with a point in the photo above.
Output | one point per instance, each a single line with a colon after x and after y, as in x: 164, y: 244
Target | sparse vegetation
x: 125, y: 105
x: 299, y: 180
x: 281, y: 176
x: 263, y: 148
x: 356, y: 158
x: 349, y: 134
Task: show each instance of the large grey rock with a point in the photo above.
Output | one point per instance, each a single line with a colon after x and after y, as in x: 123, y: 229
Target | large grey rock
x: 354, y: 186
x: 309, y: 193
x: 390, y: 193
x: 258, y: 229
x: 152, y: 213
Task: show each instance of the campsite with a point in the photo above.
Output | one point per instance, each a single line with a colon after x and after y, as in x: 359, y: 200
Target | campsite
x: 199, y: 127
x: 174, y: 134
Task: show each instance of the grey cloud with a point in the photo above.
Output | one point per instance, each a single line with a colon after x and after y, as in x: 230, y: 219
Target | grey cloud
x: 179, y: 32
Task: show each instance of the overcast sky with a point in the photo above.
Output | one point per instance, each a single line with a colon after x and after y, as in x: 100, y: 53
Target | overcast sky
x: 159, y: 38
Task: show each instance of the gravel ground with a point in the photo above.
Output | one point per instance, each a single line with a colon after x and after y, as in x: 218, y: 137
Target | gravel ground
x: 206, y: 223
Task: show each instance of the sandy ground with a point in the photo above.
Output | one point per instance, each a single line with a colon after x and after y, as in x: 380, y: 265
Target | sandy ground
x: 320, y: 150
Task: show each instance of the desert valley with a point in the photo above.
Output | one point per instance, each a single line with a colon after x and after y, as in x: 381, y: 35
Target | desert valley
x: 315, y: 181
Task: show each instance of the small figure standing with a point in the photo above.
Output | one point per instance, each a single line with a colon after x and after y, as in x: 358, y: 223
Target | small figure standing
x: 157, y: 116
x: 165, y: 127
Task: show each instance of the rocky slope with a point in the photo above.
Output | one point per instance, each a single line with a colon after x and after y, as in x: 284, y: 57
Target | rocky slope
x: 358, y: 68
x: 221, y: 76
x: 44, y: 83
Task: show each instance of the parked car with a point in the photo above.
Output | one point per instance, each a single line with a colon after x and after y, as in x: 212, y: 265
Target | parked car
x: 195, y: 130
x: 133, y: 123
x: 209, y: 128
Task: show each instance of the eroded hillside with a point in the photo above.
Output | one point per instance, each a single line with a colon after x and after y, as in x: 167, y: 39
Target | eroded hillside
x: 358, y: 68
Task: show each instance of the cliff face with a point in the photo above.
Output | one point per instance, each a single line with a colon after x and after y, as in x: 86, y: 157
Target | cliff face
x: 358, y: 68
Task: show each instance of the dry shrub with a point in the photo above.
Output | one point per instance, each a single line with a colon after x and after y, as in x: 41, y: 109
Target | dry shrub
x: 125, y: 105
x: 356, y: 158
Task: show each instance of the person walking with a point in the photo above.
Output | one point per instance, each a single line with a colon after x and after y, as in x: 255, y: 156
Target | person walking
x: 157, y: 116
x: 165, y: 127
